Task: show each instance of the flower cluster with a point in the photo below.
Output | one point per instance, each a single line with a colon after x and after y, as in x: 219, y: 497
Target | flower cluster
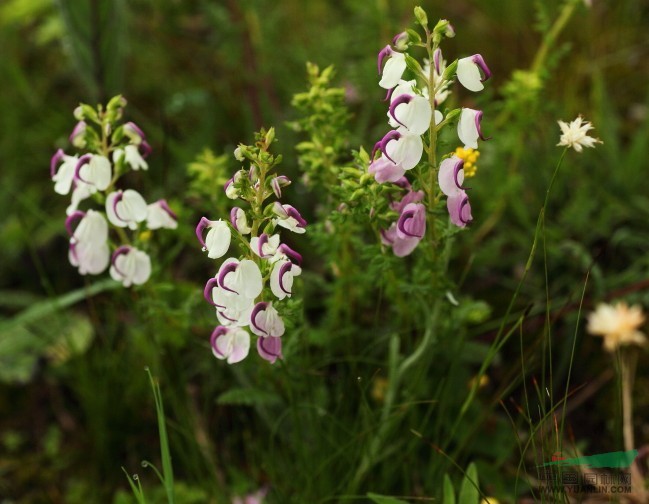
x: 240, y: 290
x: 415, y: 119
x: 109, y: 150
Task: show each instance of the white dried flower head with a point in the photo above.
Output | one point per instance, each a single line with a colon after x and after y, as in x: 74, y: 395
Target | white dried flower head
x: 575, y: 134
x: 618, y: 325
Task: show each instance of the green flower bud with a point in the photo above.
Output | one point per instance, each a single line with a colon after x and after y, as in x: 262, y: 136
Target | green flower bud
x: 422, y: 18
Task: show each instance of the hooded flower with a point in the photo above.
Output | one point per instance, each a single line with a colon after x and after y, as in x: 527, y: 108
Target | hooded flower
x: 289, y: 218
x: 385, y: 170
x: 450, y: 178
x: 159, y: 215
x: 393, y: 69
x: 217, y: 241
x: 89, y: 251
x: 93, y: 170
x: 264, y: 246
x: 132, y: 156
x: 270, y: 348
x: 468, y: 72
x: 281, y: 278
x: 240, y: 277
x: 265, y: 321
x: 239, y: 220
x: 130, y: 266
x: 400, y: 246
x: 413, y: 112
x: 231, y: 343
x: 401, y: 147
x: 126, y: 208
x: 64, y: 175
x: 468, y: 128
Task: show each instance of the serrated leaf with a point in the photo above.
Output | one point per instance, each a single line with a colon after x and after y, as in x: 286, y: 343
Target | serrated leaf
x: 247, y: 397
x: 469, y: 493
x: 385, y: 499
x: 449, y: 491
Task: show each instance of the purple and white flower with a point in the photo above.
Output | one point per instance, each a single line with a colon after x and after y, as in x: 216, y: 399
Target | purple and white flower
x: 385, y: 170
x: 468, y: 128
x: 217, y: 241
x: 281, y: 278
x: 126, y: 208
x: 289, y: 218
x: 413, y: 112
x: 78, y: 135
x: 393, y: 69
x: 130, y: 266
x: 401, y: 147
x: 469, y: 72
x: 132, y: 157
x: 159, y: 215
x: 278, y: 182
x: 265, y: 246
x: 93, y: 170
x: 240, y: 277
x: 239, y: 220
x: 265, y: 321
x: 412, y: 221
x: 450, y: 178
x: 231, y: 343
x: 270, y: 348
x: 400, y: 246
x: 89, y: 251
x: 64, y: 174
x: 134, y: 133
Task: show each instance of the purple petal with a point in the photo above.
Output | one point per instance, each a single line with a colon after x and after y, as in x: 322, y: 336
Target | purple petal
x: 479, y: 60
x: 404, y: 98
x: 269, y: 348
x: 392, y: 135
x: 118, y: 198
x: 284, y: 268
x: 292, y: 212
x: 478, y: 119
x: 77, y: 214
x: 233, y: 217
x: 145, y: 149
x: 290, y: 253
x: 134, y: 129
x: 207, y: 292
x: 412, y: 221
x: 79, y: 128
x: 216, y: 334
x: 56, y: 159
x: 85, y: 159
x: 388, y: 95
x: 225, y: 269
x: 200, y: 228
x: 121, y: 250
x: 383, y: 53
x: 263, y: 239
x: 259, y: 307
x: 437, y: 59
x: 165, y: 206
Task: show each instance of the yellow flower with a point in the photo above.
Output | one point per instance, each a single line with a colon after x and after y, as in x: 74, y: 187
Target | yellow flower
x: 618, y: 325
x: 470, y: 157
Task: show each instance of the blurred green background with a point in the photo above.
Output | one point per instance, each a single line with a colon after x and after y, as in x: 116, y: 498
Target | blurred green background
x: 201, y: 74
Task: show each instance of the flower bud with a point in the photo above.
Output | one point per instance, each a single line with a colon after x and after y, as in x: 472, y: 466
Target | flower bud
x: 422, y: 18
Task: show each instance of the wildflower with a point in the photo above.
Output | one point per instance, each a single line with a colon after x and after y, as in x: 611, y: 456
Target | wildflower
x: 231, y: 343
x: 239, y: 220
x: 93, y: 170
x: 385, y: 170
x: 400, y: 246
x: 89, y: 251
x: 126, y: 208
x: 400, y: 41
x: 575, y: 134
x: 132, y: 156
x: 468, y: 128
x: 134, y: 133
x: 393, y: 69
x: 159, y: 215
x: 281, y: 278
x: 217, y: 241
x: 412, y: 221
x: 470, y: 158
x: 439, y: 83
x: 270, y: 348
x: 130, y: 266
x: 240, y: 277
x: 450, y: 178
x: 618, y: 325
x: 77, y: 137
x: 401, y: 148
x: 64, y: 175
x: 468, y: 72
x: 264, y: 246
x: 289, y: 218
x: 278, y: 182
x: 284, y: 251
x: 413, y: 112
x: 265, y: 321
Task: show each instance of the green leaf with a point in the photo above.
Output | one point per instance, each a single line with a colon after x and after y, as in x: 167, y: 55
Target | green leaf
x: 469, y: 493
x: 247, y: 397
x: 385, y: 499
x: 449, y: 491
